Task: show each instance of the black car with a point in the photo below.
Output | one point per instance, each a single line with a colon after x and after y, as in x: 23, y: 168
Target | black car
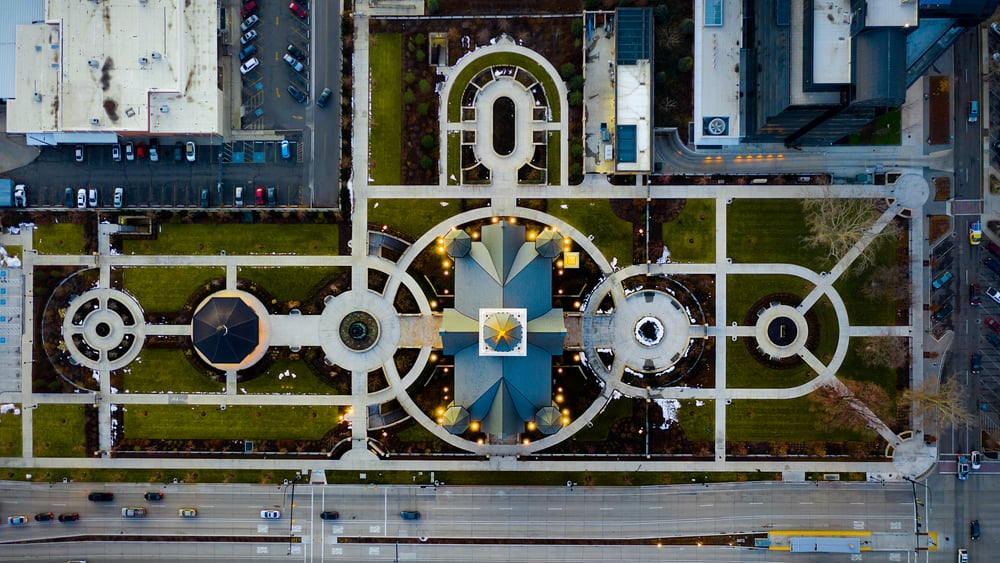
x: 976, y: 364
x: 973, y: 529
x: 296, y: 52
x: 70, y: 198
x: 299, y: 97
x: 272, y: 196
x: 44, y: 517
x: 204, y: 197
x: 101, y: 497
x: 329, y: 515
x: 71, y: 517
x: 179, y: 152
x: 153, y: 496
x: 323, y: 98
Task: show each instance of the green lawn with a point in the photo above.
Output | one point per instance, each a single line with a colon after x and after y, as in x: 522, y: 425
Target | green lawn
x: 177, y: 422
x: 593, y: 217
x: 454, y: 158
x: 275, y: 380
x: 59, y: 431
x: 552, y: 155
x: 60, y: 238
x: 744, y: 372
x: 787, y: 420
x: 769, y: 231
x: 861, y: 310
x: 158, y: 370
x: 10, y: 434
x: 691, y: 237
x: 385, y: 137
x: 698, y: 422
x: 413, y: 217
x: 743, y: 290
x: 238, y: 239
x: 42, y: 475
x: 885, y: 130
x: 616, y: 410
x: 292, y: 283
x: 853, y: 368
x: 166, y: 289
x: 416, y: 433
x: 528, y: 64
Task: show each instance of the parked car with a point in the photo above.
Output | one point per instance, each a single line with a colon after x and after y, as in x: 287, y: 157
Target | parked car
x: 298, y: 10
x: 258, y: 198
x: 187, y: 513
x: 992, y: 265
x: 975, y: 294
x: 156, y: 495
x: 248, y: 37
x: 942, y: 313
x: 286, y: 151
x: 178, y: 152
x: 189, y: 151
x: 963, y: 467
x: 270, y: 514
x: 272, y: 196
x: 296, y: 52
x: 410, y: 515
x: 247, y: 9
x: 140, y: 151
x: 942, y: 280
x: 329, y: 515
x: 249, y: 22
x: 129, y: 151
x: 81, y: 198
x: 323, y: 98
x: 245, y: 53
x: 249, y: 65
x: 78, y: 153
x: 119, y: 197
x: 993, y: 293
x: 17, y: 520
x: 297, y: 95
x: 45, y: 517
x: 92, y: 197
x: 116, y: 153
x: 963, y: 554
x: 975, y: 233
x: 101, y: 497
x: 205, y: 197
x: 133, y: 512
x: 154, y: 151
x: 993, y: 324
x: 993, y: 339
x: 976, y: 363
x: 70, y: 517
x: 976, y: 459
x: 69, y: 197
x: 296, y: 65
x: 238, y: 200
x: 974, y: 531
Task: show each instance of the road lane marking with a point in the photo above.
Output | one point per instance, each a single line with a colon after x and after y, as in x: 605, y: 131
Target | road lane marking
x: 606, y: 508
x: 655, y: 507
x: 805, y: 503
x: 555, y: 508
x: 857, y: 503
x: 505, y: 508
x: 756, y: 503
x: 706, y: 505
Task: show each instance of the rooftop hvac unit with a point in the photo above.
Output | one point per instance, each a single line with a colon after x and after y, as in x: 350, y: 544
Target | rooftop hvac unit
x: 95, y: 121
x: 156, y: 56
x: 143, y: 60
x: 164, y: 109
x: 92, y: 63
x: 715, y: 126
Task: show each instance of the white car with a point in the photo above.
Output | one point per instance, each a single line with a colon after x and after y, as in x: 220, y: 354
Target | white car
x: 92, y: 197
x: 116, y: 153
x: 296, y: 65
x: 270, y: 514
x: 249, y: 65
x: 238, y: 201
x: 993, y: 293
x: 17, y: 520
x: 248, y: 37
x: 119, y: 196
x: 81, y: 198
x: 189, y: 151
x: 977, y: 459
x: 249, y: 22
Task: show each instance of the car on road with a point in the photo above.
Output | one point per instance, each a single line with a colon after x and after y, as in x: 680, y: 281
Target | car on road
x: 92, y: 197
x: 942, y: 280
x: 81, y: 198
x: 329, y: 515
x: 272, y: 196
x: 298, y: 10
x: 286, y: 151
x: 238, y: 200
x: 973, y: 111
x: 410, y: 515
x: 17, y: 520
x: 296, y: 52
x: 963, y: 554
x: 189, y: 151
x: 247, y: 52
x: 156, y: 495
x: 249, y: 22
x: 296, y: 65
x: 975, y: 294
x: 975, y: 233
x: 69, y: 197
x: 974, y: 531
x: 133, y: 512
x: 45, y: 517
x: 976, y: 363
x: 70, y: 517
x: 116, y: 153
x: 78, y: 153
x: 323, y: 98
x: 296, y: 94
x: 249, y: 65
x: 154, y: 151
x: 119, y: 197
x: 248, y: 37
x: 942, y: 313
x: 129, y: 151
x: 258, y: 196
x: 101, y: 497
x: 963, y: 467
x: 204, y: 197
x: 270, y: 514
x: 187, y: 513
x: 976, y: 459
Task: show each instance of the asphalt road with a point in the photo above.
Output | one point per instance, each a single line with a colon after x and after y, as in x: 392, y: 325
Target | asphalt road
x: 968, y: 140
x: 323, y: 152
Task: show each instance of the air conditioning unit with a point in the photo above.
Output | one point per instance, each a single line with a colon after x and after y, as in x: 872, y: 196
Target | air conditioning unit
x: 715, y: 126
x: 95, y: 121
x: 92, y: 63
x: 156, y: 56
x: 164, y: 109
x: 143, y: 60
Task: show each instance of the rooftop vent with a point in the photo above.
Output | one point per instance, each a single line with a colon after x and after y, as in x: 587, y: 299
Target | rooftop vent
x: 92, y: 63
x: 38, y: 97
x: 95, y: 121
x: 155, y: 55
x: 143, y: 60
x: 164, y: 109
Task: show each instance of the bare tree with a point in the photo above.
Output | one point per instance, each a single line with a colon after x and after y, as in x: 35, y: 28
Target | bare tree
x: 888, y: 282
x: 855, y: 405
x: 885, y: 351
x: 837, y: 224
x: 943, y: 404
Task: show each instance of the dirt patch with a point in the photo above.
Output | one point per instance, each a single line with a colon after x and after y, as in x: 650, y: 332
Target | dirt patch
x: 940, y: 227
x: 942, y: 189
x: 939, y: 111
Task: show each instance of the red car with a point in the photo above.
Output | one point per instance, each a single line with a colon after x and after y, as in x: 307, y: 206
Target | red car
x: 259, y: 198
x: 140, y: 150
x: 975, y: 294
x: 248, y: 8
x: 993, y: 324
x: 298, y: 10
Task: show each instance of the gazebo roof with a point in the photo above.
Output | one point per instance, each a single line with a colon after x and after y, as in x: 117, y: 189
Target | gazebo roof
x: 548, y: 244
x: 457, y: 243
x: 225, y: 330
x: 548, y: 420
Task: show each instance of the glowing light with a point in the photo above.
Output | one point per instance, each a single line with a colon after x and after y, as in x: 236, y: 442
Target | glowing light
x: 446, y: 370
x: 567, y: 241
x: 576, y: 304
x: 440, y: 421
x: 434, y: 357
x: 434, y: 304
x: 385, y: 228
x: 526, y: 441
x: 446, y: 272
x: 559, y: 263
x: 495, y: 219
x: 440, y: 411
x: 446, y: 264
x: 532, y: 425
x: 560, y: 291
x: 479, y: 441
x: 559, y: 370
x: 559, y: 389
x: 565, y: 420
x: 513, y: 220
x: 474, y: 426
x: 565, y: 412
x: 576, y: 357
x: 445, y: 389
x: 559, y: 398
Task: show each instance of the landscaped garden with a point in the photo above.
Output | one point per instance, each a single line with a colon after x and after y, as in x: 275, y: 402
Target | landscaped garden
x: 10, y: 433
x: 147, y: 285
x: 237, y: 422
x: 691, y: 236
x: 385, y: 135
x: 59, y: 430
x: 786, y: 420
x: 59, y: 238
x: 412, y: 216
x: 771, y: 231
x: 286, y: 376
x: 237, y: 238
x: 595, y: 219
x: 162, y: 370
x: 292, y: 283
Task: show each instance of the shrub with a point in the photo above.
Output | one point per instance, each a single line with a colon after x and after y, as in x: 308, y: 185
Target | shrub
x: 685, y: 64
x: 567, y: 70
x: 575, y: 98
x: 424, y: 86
x: 426, y: 162
x: 576, y: 28
x: 427, y: 141
x: 576, y: 83
x: 409, y: 97
x: 423, y: 108
x: 409, y: 78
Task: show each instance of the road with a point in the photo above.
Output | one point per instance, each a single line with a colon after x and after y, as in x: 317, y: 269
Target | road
x: 324, y: 150
x: 605, y: 514
x: 968, y: 142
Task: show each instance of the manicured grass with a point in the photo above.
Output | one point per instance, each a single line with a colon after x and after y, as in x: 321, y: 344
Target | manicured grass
x: 275, y: 380
x: 235, y: 423
x: 787, y: 420
x: 58, y: 431
x: 616, y: 410
x: 166, y: 289
x: 698, y: 422
x: 691, y: 237
x: 290, y: 284
x: 454, y: 158
x: 770, y: 231
x: 743, y: 290
x: 593, y: 217
x: 744, y: 372
x: 41, y: 475
x: 413, y: 217
x: 59, y: 238
x: 469, y: 72
x: 159, y: 370
x: 10, y: 434
x: 416, y: 433
x: 552, y: 155
x: 853, y: 368
x: 885, y: 130
x: 238, y: 239
x: 13, y: 250
x: 385, y: 137
x: 861, y: 310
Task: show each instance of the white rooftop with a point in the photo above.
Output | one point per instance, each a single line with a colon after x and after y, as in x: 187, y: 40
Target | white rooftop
x: 891, y: 13
x: 831, y: 46
x: 131, y: 65
x: 716, y: 71
x: 632, y: 108
x: 797, y: 96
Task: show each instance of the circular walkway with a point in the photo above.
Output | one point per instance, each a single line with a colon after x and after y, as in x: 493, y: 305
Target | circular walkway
x: 338, y: 308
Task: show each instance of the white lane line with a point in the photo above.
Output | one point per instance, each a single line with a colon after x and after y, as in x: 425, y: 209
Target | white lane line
x: 459, y: 508
x: 857, y: 503
x: 703, y: 505
x: 655, y: 507
x: 805, y: 503
x: 606, y: 508
x: 756, y: 503
x: 505, y: 508
x: 555, y: 508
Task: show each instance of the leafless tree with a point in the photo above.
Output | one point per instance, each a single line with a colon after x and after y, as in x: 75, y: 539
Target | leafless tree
x: 943, y: 404
x: 888, y: 282
x: 885, y: 351
x: 855, y: 405
x: 837, y: 224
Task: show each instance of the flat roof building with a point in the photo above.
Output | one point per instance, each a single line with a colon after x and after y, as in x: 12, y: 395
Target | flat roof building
x: 118, y: 67
x: 634, y: 90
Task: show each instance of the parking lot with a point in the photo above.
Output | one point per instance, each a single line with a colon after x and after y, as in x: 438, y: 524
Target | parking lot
x: 266, y: 101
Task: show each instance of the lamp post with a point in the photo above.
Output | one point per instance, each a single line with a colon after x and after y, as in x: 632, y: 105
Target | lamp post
x: 916, y: 516
x: 291, y: 512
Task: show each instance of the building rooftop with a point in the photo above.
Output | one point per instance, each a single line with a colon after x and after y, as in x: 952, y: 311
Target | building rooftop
x: 831, y: 45
x: 717, y: 71
x: 891, y: 13
x: 119, y: 65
